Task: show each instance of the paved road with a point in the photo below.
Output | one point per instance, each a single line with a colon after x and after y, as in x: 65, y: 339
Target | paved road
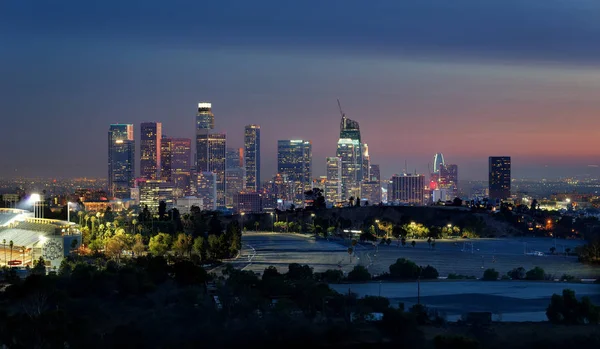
x: 510, y: 300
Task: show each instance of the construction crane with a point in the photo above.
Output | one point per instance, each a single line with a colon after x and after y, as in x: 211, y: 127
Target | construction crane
x: 340, y: 106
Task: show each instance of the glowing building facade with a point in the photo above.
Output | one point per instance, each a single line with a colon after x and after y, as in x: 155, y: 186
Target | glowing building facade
x: 150, y: 139
x: 252, y: 157
x: 407, y: 189
x: 294, y: 161
x: 499, y: 177
x: 121, y: 160
x: 333, y: 186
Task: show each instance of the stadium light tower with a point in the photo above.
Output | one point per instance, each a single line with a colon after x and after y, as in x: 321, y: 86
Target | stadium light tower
x: 34, y: 199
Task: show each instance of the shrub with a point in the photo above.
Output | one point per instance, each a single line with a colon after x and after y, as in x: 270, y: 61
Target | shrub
x: 490, y: 275
x: 429, y: 272
x: 453, y: 276
x: 567, y: 277
x: 331, y: 276
x: 536, y: 273
x: 404, y: 269
x: 566, y: 309
x: 375, y: 304
x: 517, y: 273
x: 359, y: 274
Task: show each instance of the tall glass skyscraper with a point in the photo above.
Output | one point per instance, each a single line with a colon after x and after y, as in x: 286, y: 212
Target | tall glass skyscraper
x: 176, y: 156
x: 121, y: 160
x: 150, y: 137
x: 333, y: 186
x: 211, y: 149
x: 294, y: 161
x: 351, y: 152
x: 252, y: 157
x: 499, y: 177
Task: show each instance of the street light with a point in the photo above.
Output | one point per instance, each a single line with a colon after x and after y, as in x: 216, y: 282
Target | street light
x: 273, y: 222
x: 34, y: 199
x: 242, y: 214
x: 69, y: 211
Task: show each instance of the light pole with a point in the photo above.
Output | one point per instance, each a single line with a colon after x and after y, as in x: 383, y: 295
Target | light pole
x: 242, y: 214
x: 69, y: 211
x: 312, y: 216
x: 273, y: 223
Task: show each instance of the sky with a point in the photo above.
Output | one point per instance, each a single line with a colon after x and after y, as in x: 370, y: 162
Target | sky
x: 467, y: 78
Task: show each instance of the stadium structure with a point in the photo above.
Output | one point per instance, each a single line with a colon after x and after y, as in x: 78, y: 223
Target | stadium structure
x: 25, y: 238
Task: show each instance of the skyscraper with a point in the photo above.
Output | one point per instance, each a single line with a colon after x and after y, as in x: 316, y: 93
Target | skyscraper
x: 349, y: 151
x: 333, y: 186
x: 406, y: 189
x: 449, y: 179
x: 211, y: 156
x: 366, y: 162
x: 438, y: 162
x: 235, y: 175
x: 375, y: 173
x: 150, y: 137
x: 121, y: 160
x: 207, y: 190
x: 211, y: 149
x: 252, y: 157
x: 499, y: 177
x: 205, y: 119
x: 294, y: 161
x: 176, y: 155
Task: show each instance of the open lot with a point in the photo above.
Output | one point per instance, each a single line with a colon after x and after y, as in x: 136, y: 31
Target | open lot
x: 263, y: 249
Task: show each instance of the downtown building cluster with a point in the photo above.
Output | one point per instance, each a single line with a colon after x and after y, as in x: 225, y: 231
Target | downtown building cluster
x: 205, y: 172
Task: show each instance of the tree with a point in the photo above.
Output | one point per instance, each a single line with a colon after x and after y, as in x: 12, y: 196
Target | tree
x: 536, y: 273
x: 11, y: 245
x: 457, y: 202
x: 359, y: 274
x: 429, y: 272
x: 256, y: 225
x: 299, y: 272
x: 429, y: 242
x: 552, y: 250
x: 138, y: 246
x: 200, y: 247
x: 403, y: 240
x: 357, y: 202
x: 183, y: 244
x: 566, y: 309
x: 39, y: 267
x: 162, y: 210
x: 115, y: 245
x: 517, y: 273
x: 159, y: 244
x: 534, y: 205
x: 404, y: 269
x: 413, y: 243
x: 490, y: 275
x: 351, y: 201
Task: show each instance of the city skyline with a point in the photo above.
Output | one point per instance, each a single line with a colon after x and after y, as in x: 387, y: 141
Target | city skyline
x: 464, y: 95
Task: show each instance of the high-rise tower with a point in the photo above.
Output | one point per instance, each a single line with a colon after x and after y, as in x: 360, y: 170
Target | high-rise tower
x: 252, y: 157
x: 350, y: 150
x: 499, y: 177
x: 438, y: 162
x: 121, y: 160
x: 150, y: 138
x: 294, y: 161
x: 211, y: 149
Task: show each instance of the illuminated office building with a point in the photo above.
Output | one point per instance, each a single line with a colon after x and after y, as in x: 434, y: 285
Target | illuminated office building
x: 499, y: 177
x: 207, y: 190
x: 333, y: 186
x: 366, y: 163
x: 150, y: 138
x: 211, y: 149
x: 349, y: 151
x: 152, y: 192
x: 252, y: 157
x: 294, y: 161
x: 448, y: 180
x: 121, y: 160
x: 406, y: 189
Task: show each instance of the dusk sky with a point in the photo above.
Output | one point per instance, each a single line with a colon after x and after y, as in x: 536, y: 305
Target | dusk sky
x: 468, y: 78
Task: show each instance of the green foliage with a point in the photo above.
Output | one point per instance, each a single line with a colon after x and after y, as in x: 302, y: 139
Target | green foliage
x: 566, y: 309
x: 331, y: 276
x: 490, y: 275
x: 375, y: 304
x: 199, y: 247
x: 429, y: 272
x: 404, y: 269
x: 299, y: 272
x: 39, y: 267
x: 517, y: 273
x: 159, y: 244
x: 536, y: 273
x: 359, y: 274
x: 567, y: 277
